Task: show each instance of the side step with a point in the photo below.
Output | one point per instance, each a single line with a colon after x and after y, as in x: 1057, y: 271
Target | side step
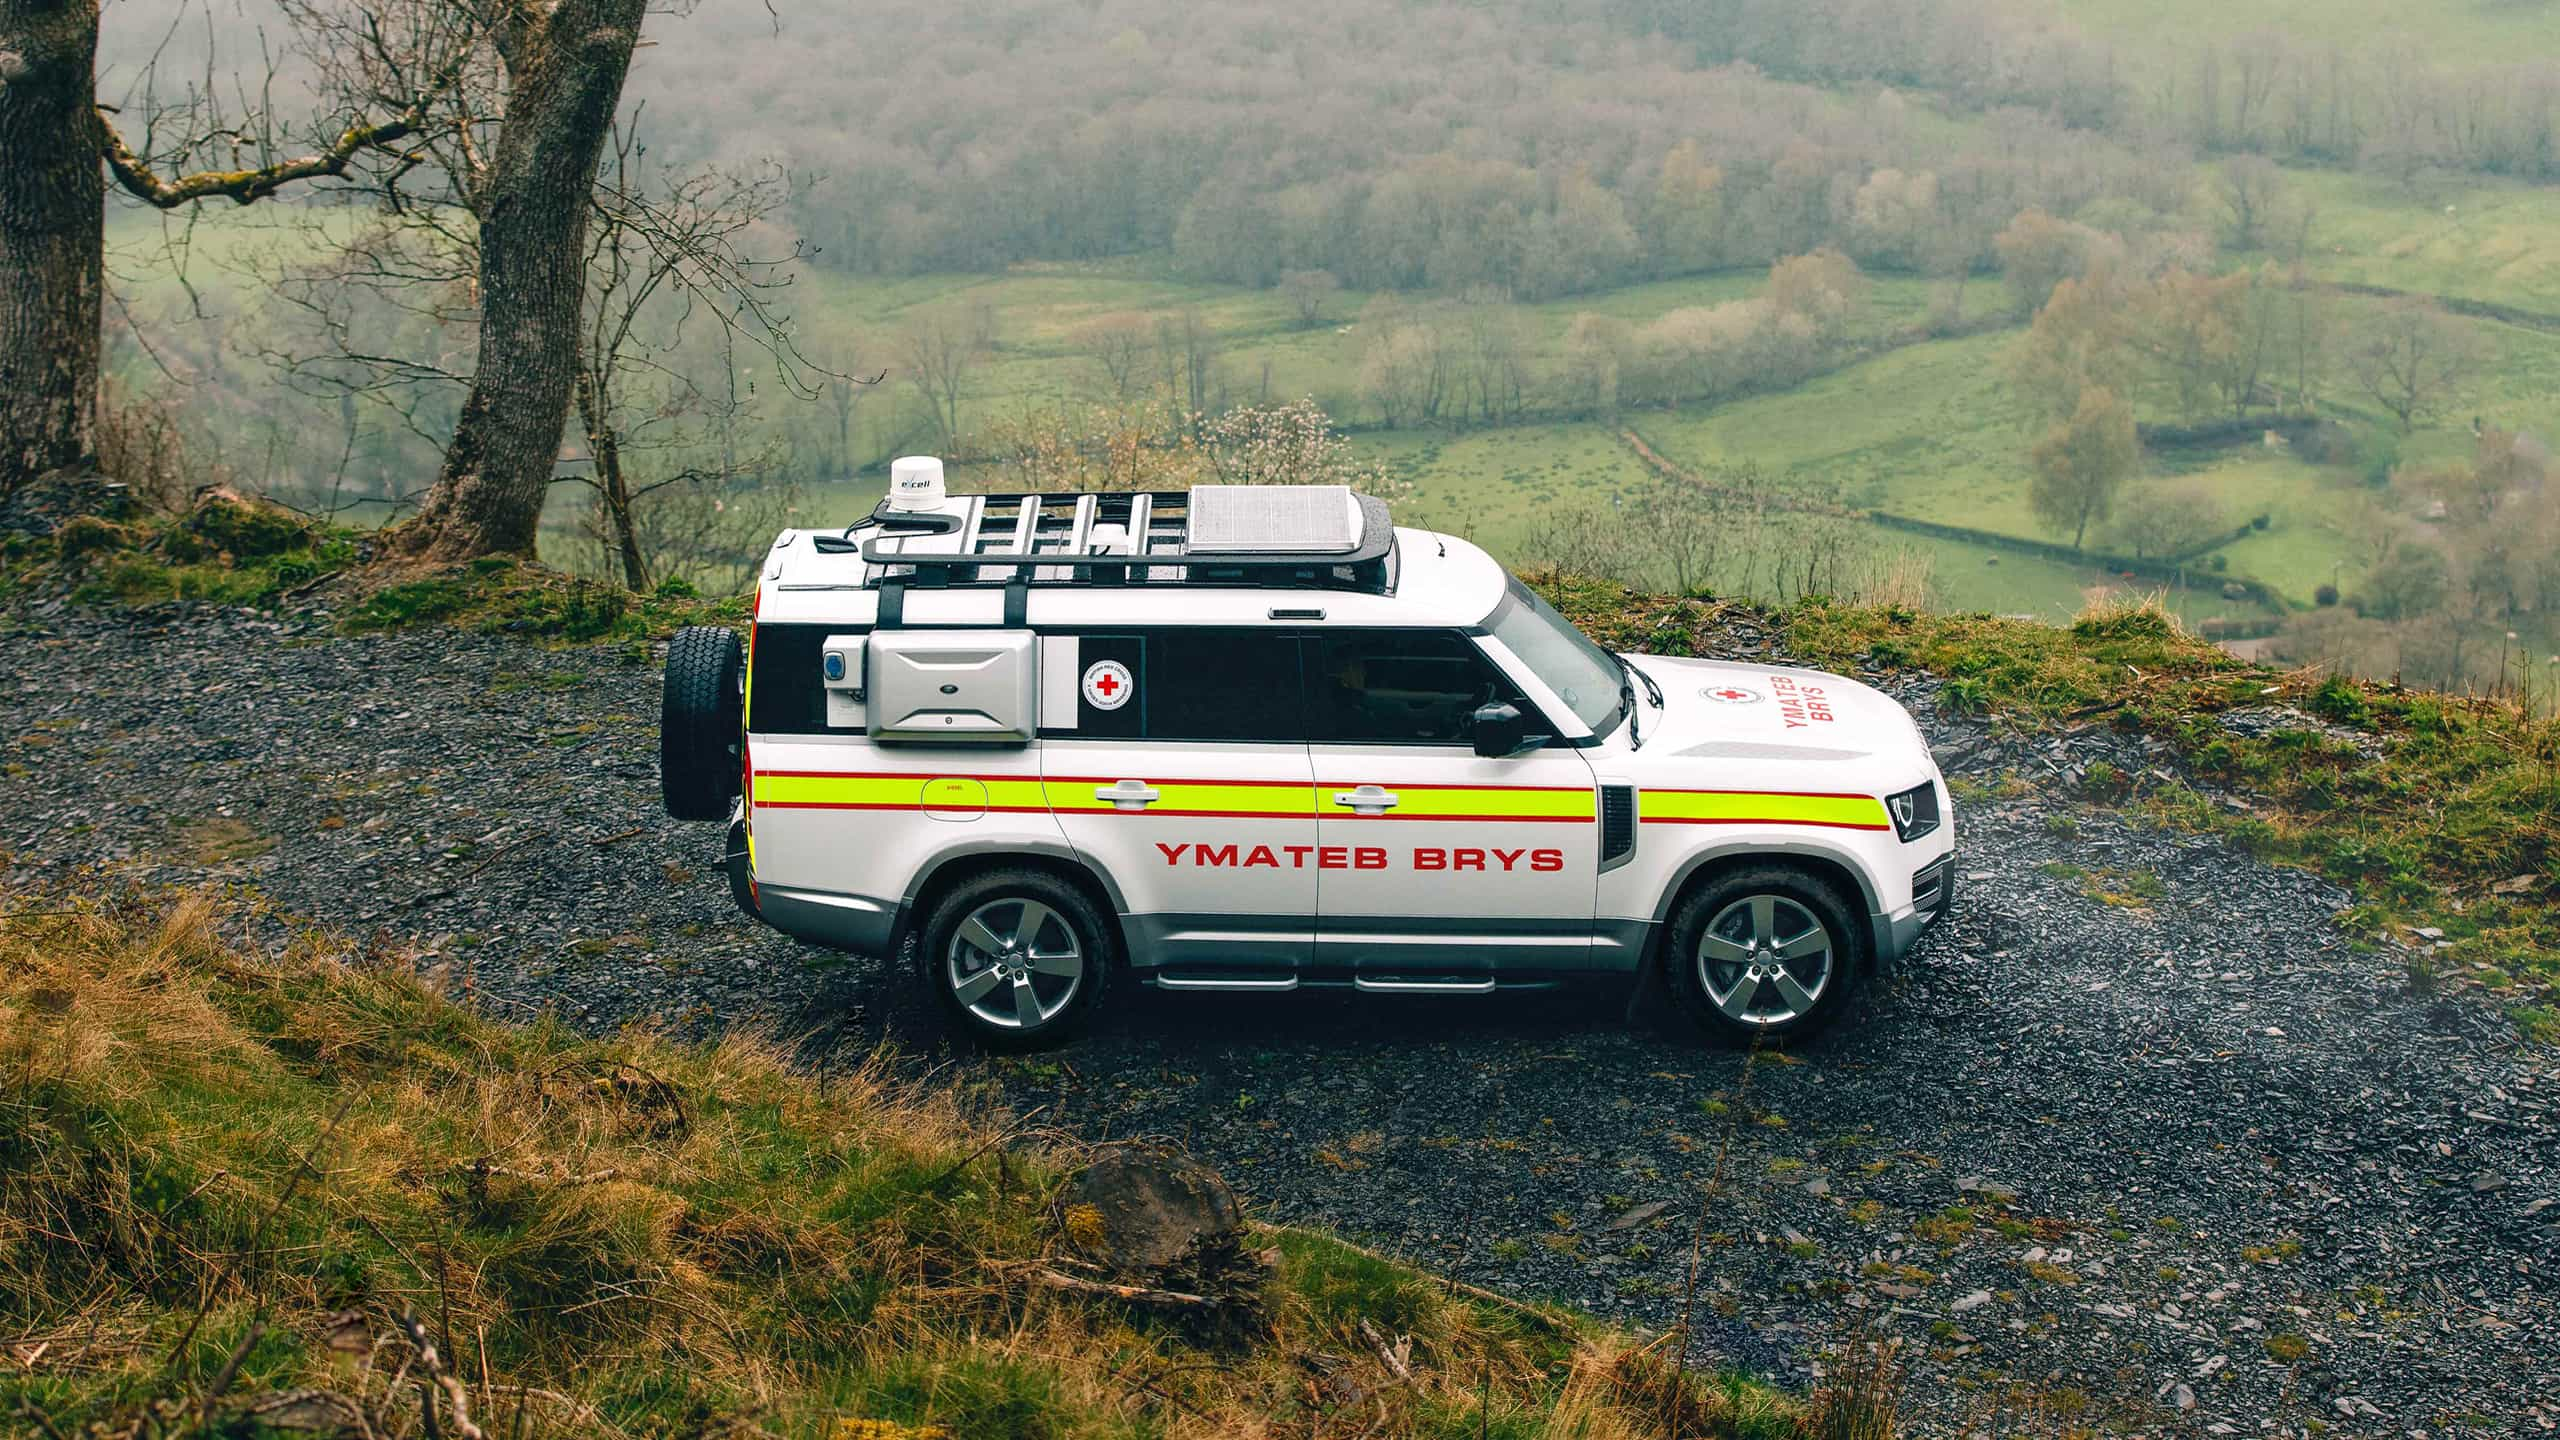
x: 1269, y: 985
x: 1382, y: 985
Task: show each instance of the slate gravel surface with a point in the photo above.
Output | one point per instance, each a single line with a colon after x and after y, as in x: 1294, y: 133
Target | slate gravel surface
x: 2137, y: 1135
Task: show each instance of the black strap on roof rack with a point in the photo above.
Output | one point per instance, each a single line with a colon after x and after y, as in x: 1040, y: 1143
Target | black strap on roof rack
x: 893, y: 604
x: 1017, y: 601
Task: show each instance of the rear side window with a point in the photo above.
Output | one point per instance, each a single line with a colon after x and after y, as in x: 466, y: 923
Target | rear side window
x: 789, y: 695
x: 1402, y: 687
x: 1194, y: 684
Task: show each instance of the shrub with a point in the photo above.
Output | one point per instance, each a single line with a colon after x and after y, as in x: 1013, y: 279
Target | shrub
x: 2338, y: 699
x: 2143, y: 618
x: 2106, y: 783
x: 247, y: 529
x: 82, y: 536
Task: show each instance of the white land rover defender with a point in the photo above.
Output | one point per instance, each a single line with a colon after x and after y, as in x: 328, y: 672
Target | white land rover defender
x: 1251, y: 738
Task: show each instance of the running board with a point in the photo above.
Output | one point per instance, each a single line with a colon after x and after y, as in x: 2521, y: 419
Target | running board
x: 1484, y: 986
x: 1272, y: 985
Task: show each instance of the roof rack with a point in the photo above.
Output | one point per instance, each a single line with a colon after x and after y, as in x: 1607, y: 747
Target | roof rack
x: 1267, y: 536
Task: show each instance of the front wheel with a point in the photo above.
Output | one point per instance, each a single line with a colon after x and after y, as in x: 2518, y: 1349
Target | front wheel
x: 1764, y: 951
x: 1018, y: 958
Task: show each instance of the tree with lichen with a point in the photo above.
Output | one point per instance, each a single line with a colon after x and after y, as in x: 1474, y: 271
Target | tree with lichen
x: 564, y: 64
x: 57, y: 148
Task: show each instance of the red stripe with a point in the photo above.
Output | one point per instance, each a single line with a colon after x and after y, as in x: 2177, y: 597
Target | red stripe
x: 1772, y: 794
x: 1481, y: 819
x: 887, y: 775
x: 1116, y: 779
x: 1262, y: 784
x: 1758, y: 820
x: 1505, y: 789
x: 1195, y: 814
x: 896, y: 805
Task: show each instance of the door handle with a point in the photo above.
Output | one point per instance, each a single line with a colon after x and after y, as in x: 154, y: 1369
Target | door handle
x: 1129, y: 795
x: 1367, y: 800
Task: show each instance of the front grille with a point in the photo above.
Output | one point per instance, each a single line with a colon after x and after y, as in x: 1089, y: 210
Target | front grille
x: 1617, y: 823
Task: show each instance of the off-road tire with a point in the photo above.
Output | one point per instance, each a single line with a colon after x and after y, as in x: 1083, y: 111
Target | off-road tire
x: 1798, y: 893
x: 701, y: 723
x: 1096, y: 939
x: 733, y: 859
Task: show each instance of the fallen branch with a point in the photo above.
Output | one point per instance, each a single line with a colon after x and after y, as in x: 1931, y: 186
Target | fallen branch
x: 483, y: 1169
x: 1134, y: 1294
x: 503, y: 852
x: 1392, y: 1355
x: 455, y: 1395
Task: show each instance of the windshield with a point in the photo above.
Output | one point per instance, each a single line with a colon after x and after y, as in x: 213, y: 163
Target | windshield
x: 1582, y: 674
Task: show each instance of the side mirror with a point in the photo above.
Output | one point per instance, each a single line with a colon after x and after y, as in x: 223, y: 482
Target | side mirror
x: 1501, y: 731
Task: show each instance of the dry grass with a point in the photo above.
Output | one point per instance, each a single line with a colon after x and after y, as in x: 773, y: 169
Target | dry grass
x: 227, y: 1178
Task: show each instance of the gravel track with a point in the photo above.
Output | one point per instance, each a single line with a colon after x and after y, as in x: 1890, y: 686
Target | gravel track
x: 2189, y: 1165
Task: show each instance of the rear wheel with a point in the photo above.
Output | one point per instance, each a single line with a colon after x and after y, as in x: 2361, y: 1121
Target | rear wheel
x: 1763, y: 951
x: 1018, y: 958
x: 702, y: 723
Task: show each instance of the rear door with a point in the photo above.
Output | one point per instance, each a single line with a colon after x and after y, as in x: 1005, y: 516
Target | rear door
x: 1459, y: 865
x: 1176, y: 758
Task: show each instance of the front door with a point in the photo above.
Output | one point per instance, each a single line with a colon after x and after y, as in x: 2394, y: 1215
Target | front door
x: 1459, y: 866
x: 1181, y: 770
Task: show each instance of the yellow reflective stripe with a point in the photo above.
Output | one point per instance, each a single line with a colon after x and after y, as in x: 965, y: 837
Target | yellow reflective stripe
x: 1476, y: 802
x: 1191, y: 797
x: 1743, y: 807
x: 888, y: 792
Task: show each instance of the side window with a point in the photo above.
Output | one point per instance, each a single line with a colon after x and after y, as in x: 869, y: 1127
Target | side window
x: 1187, y: 683
x: 1224, y: 685
x: 1402, y: 687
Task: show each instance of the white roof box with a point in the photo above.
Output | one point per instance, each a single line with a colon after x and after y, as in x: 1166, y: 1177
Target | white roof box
x: 1273, y: 520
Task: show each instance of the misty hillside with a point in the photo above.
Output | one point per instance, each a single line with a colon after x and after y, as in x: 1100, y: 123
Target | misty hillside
x: 1540, y: 261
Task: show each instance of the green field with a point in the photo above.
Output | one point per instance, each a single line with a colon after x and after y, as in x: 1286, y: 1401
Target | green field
x: 1927, y: 430
x: 2443, y: 31
x: 2490, y: 241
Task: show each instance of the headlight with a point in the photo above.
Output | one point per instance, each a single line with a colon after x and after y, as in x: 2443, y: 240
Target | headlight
x: 1914, y: 811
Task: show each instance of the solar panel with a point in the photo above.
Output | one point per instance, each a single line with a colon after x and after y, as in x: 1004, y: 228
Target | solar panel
x: 1273, y: 520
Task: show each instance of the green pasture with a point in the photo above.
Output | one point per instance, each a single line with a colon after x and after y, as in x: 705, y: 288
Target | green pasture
x: 2448, y: 32
x: 2470, y: 239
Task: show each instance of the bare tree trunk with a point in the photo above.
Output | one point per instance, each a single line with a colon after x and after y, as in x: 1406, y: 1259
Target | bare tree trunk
x: 612, y: 487
x: 567, y: 70
x: 52, y: 237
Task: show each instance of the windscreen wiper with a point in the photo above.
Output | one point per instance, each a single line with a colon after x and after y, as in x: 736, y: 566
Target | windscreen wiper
x: 1628, y: 676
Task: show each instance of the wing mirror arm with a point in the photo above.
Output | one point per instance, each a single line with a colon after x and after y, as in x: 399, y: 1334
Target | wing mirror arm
x: 1502, y: 732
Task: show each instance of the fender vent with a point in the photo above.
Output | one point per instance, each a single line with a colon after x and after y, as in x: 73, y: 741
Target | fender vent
x: 1617, y: 823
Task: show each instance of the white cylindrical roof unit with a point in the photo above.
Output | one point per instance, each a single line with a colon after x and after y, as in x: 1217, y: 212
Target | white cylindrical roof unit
x: 915, y: 483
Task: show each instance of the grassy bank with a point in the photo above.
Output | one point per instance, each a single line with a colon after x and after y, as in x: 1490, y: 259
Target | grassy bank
x: 241, y: 1189
x: 223, y: 553
x: 2441, y: 813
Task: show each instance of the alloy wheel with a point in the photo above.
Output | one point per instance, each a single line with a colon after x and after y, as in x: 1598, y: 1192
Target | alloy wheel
x: 1765, y: 960
x: 1014, y: 963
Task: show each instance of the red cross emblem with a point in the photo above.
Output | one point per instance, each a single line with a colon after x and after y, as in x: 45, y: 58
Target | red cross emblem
x: 1733, y: 695
x: 1107, y: 685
